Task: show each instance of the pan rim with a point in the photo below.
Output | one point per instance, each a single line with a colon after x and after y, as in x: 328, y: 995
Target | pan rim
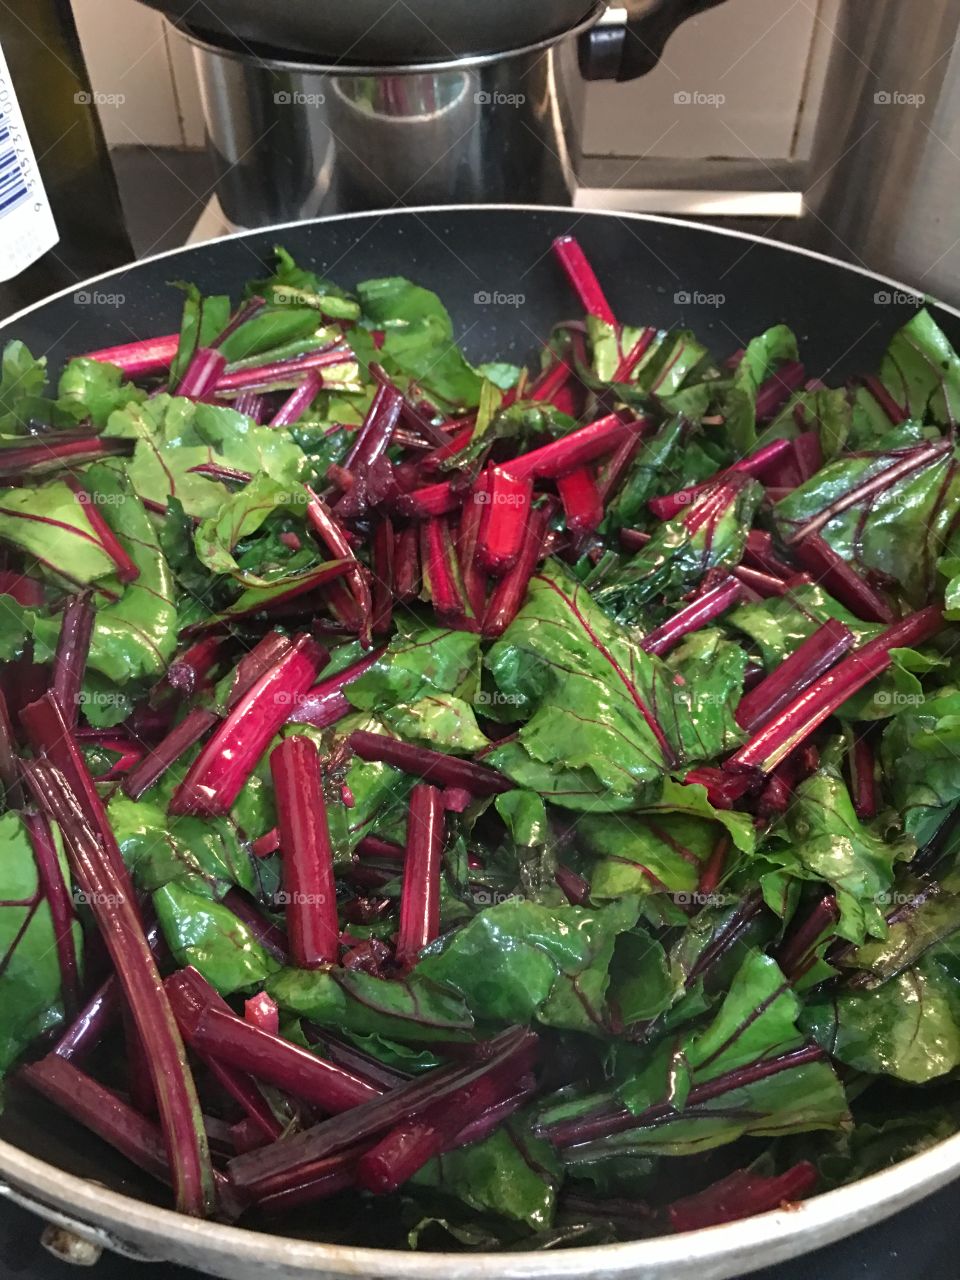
x: 709, y: 1253
x: 416, y: 210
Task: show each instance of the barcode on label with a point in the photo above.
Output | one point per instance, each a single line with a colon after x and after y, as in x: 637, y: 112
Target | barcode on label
x: 27, y: 227
x: 13, y: 185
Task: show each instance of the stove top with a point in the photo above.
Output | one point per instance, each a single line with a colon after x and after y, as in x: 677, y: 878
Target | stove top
x: 919, y: 1242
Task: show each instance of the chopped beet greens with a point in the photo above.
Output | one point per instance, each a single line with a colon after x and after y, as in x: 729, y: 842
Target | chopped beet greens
x: 508, y: 806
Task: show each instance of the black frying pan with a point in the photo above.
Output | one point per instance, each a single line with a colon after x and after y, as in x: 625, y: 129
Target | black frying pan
x: 842, y: 316
x: 645, y: 264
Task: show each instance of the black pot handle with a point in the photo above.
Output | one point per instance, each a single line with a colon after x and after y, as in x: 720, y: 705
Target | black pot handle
x: 624, y: 51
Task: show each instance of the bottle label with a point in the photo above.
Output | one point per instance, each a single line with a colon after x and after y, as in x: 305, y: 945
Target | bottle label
x: 27, y: 228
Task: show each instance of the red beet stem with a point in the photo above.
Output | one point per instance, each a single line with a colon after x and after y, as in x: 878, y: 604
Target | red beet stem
x: 381, y: 560
x: 158, y: 759
x: 374, y: 435
x: 779, y: 736
x: 551, y: 383
x: 282, y: 372
x: 915, y: 460
x: 915, y: 629
x: 216, y: 777
x: 48, y: 455
x: 714, y: 867
x: 406, y: 562
x: 70, y: 660
x: 122, y: 930
x: 724, y: 790
x: 420, y: 897
x: 505, y: 502
x: 288, y: 1164
x: 582, y: 503
x: 189, y: 994
x: 894, y: 411
x: 583, y: 1129
x: 299, y: 401
x: 457, y: 442
x: 49, y: 737
x: 202, y: 374
x: 56, y: 893
x: 270, y: 936
x: 408, y: 1147
x: 693, y: 616
x: 279, y: 1062
x: 136, y: 359
x: 441, y: 574
x: 334, y: 537
x: 9, y: 759
x: 841, y: 579
x: 101, y: 1111
x: 578, y: 448
x: 509, y: 593
x: 583, y: 280
x: 308, y: 884
x: 755, y: 464
x: 431, y: 500
x: 795, y: 953
x: 262, y: 1011
x: 761, y: 554
x: 575, y: 888
x: 127, y: 570
x: 430, y: 766
x: 740, y: 1195
x: 630, y: 359
x: 762, y: 585
x: 778, y: 388
x: 187, y: 672
x: 797, y: 672
x: 326, y: 703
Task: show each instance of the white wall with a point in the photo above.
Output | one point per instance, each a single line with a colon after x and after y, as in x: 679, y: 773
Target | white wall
x: 143, y: 71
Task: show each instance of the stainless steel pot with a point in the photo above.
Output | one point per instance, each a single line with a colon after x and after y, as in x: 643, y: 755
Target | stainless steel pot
x: 299, y: 139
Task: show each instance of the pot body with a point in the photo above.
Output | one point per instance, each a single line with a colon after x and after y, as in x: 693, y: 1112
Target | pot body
x: 294, y: 140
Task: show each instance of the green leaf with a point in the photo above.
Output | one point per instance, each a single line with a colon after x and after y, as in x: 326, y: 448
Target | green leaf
x: 921, y: 371
x: 655, y: 470
x: 240, y: 516
x: 920, y: 751
x: 908, y: 1028
x: 47, y: 521
x: 826, y: 841
x: 204, y: 319
x: 418, y: 339
x: 22, y: 380
x: 439, y: 721
x: 900, y: 531
x: 711, y: 531
x: 209, y: 936
x: 30, y: 997
x: 94, y: 389
x: 413, y: 1010
x: 422, y: 660
x: 760, y: 359
x: 521, y: 960
x: 511, y: 1173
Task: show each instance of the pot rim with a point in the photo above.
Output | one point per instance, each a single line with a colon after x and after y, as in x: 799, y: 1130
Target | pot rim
x: 463, y: 62
x: 709, y: 1253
